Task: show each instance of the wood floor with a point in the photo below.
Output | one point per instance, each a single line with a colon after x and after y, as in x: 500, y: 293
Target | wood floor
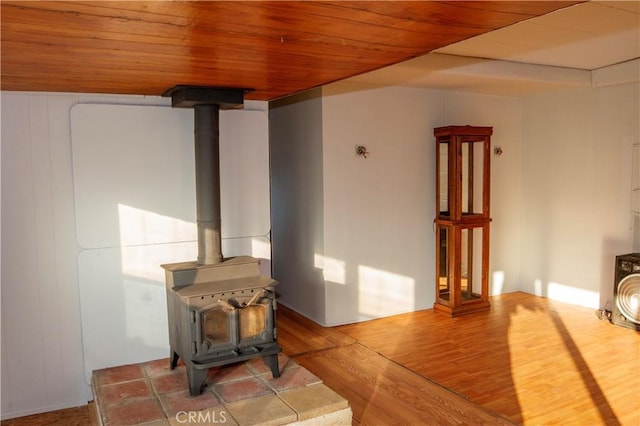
x: 380, y: 391
x: 527, y: 361
x: 78, y: 416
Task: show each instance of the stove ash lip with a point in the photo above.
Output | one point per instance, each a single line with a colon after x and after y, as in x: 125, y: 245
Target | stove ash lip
x: 193, y: 264
x: 232, y: 274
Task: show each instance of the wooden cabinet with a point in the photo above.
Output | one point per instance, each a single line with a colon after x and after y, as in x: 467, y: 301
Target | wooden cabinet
x: 462, y: 218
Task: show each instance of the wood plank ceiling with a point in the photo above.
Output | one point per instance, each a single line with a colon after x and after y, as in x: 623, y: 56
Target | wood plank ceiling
x: 275, y: 48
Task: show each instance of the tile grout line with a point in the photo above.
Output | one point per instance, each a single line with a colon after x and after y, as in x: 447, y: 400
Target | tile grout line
x: 154, y: 392
x: 151, y: 373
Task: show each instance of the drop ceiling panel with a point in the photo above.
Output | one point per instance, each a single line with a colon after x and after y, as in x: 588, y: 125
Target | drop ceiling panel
x: 595, y: 18
x: 587, y: 36
x: 477, y: 75
x: 584, y: 53
x: 629, y: 5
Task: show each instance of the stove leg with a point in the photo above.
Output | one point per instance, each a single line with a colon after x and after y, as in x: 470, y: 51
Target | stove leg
x: 271, y: 361
x: 196, y: 380
x: 174, y: 359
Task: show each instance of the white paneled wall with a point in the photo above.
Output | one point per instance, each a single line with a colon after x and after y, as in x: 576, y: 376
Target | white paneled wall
x: 133, y: 174
x: 41, y: 329
x: 379, y: 210
x: 561, y: 194
x: 376, y: 246
x: 577, y: 186
x: 635, y: 195
x: 561, y: 208
x: 44, y: 334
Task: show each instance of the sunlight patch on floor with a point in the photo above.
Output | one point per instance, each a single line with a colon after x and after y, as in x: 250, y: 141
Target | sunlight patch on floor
x: 546, y: 383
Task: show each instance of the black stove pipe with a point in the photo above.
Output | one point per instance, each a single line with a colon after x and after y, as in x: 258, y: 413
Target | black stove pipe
x: 207, y: 102
x: 207, y: 166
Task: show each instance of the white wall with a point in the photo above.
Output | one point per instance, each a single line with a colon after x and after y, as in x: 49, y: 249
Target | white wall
x: 295, y: 143
x: 44, y: 334
x: 134, y: 196
x: 561, y: 202
x: 378, y: 246
x: 41, y: 331
x: 378, y: 211
x: 576, y: 179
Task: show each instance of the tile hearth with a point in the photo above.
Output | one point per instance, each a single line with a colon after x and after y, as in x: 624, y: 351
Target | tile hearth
x: 237, y: 394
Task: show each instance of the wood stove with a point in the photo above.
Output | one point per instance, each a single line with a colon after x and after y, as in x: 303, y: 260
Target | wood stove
x: 220, y: 314
x: 220, y: 311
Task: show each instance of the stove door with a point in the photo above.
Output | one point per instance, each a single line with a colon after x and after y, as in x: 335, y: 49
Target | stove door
x: 215, y: 331
x: 225, y: 327
x: 256, y: 323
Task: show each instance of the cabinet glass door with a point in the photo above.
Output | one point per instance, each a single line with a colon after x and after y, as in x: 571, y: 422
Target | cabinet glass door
x: 443, y: 178
x: 443, y: 275
x: 472, y: 177
x: 471, y: 265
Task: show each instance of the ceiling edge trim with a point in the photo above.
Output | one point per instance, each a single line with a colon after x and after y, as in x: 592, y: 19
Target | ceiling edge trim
x: 516, y: 71
x: 622, y: 73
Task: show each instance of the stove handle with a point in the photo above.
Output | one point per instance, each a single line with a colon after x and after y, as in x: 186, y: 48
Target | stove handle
x: 226, y: 305
x: 254, y: 299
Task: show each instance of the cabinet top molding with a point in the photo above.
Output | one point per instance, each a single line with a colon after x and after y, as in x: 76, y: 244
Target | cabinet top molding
x: 463, y: 130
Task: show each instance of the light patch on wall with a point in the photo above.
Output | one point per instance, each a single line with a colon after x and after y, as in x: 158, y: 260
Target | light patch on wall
x: 497, y: 283
x: 143, y: 291
x: 573, y: 295
x: 139, y: 226
x: 260, y: 248
x: 537, y: 288
x: 136, y: 262
x: 383, y: 293
x: 333, y: 270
